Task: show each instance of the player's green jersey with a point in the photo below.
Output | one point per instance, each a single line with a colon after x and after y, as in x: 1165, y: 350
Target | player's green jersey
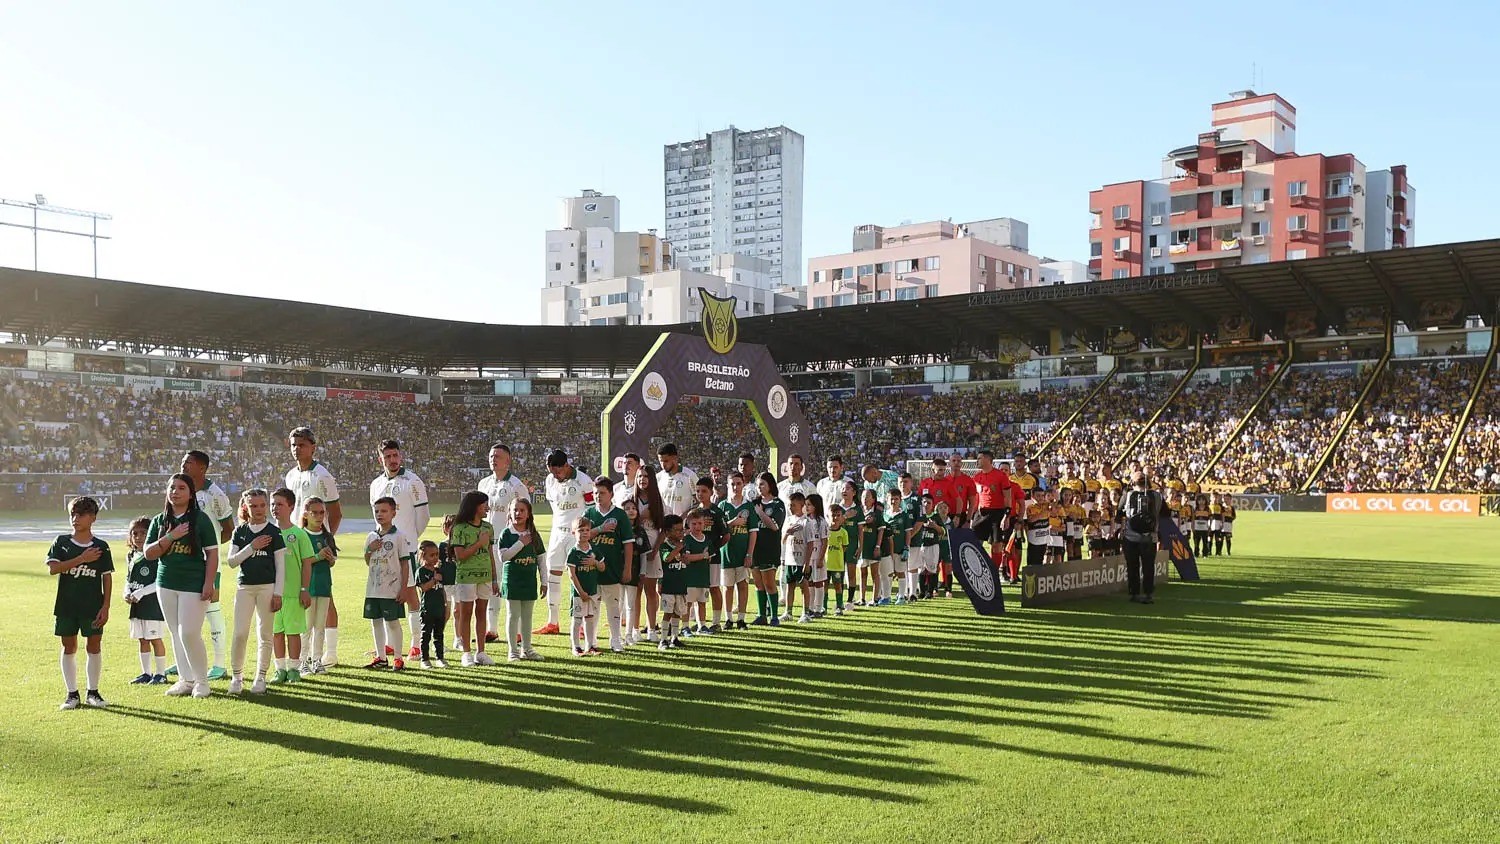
x: 896, y: 525
x: 673, y: 570
x: 588, y: 576
x: 182, y: 567
x: 479, y: 568
x: 521, y: 575
x: 80, y: 590
x: 259, y: 568
x: 609, y: 546
x: 768, y: 541
x: 298, y: 548
x: 321, y: 584
x: 697, y: 570
x: 732, y: 555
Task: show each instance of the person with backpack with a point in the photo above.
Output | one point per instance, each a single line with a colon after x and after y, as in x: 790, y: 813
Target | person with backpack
x: 1141, y: 508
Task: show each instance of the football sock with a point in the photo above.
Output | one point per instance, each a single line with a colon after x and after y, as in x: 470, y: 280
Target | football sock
x: 773, y: 599
x: 161, y: 664
x: 145, y: 662
x: 377, y: 627
x: 330, y: 644
x: 393, y: 637
x: 216, y: 632
x: 70, y: 672
x: 93, y: 665
x: 761, y: 602
x: 414, y: 621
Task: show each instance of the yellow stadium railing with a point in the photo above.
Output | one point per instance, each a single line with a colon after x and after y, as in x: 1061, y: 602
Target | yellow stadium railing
x: 1338, y: 435
x: 1176, y: 390
x: 1463, y: 419
x: 1281, y: 371
x: 1073, y: 417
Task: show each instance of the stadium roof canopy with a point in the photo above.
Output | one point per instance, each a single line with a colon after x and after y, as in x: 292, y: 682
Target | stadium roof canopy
x: 1411, y: 284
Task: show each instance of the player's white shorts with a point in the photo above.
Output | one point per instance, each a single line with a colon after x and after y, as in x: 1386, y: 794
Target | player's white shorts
x: 1228, y: 528
x: 1057, y: 541
x: 674, y: 605
x: 467, y: 593
x: 819, y: 573
x: 147, y: 628
x: 925, y: 558
x: 734, y: 575
x: 697, y: 594
x: 714, y: 574
x: 1215, y: 524
x: 1075, y: 531
x: 557, y: 550
x: 887, y: 566
x: 869, y: 564
x: 584, y: 610
x: 898, y: 563
x: 1200, y: 525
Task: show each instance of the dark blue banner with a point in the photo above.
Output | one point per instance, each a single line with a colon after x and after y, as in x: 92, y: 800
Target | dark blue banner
x: 975, y: 572
x: 1177, y: 545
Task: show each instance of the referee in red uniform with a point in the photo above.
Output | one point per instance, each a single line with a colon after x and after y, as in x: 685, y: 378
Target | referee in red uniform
x: 993, y: 502
x: 964, y: 491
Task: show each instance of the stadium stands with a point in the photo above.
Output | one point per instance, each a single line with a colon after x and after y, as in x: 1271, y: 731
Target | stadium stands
x: 1283, y: 441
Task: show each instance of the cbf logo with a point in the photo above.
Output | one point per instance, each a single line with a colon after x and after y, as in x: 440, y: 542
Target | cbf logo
x: 1028, y: 585
x: 721, y: 328
x: 981, y: 573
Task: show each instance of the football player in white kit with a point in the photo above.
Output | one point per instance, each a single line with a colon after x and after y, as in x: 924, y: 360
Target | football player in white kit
x: 502, y: 487
x: 412, y: 516
x: 625, y: 489
x: 215, y: 502
x: 795, y: 481
x: 570, y: 493
x: 311, y: 479
x: 677, y: 483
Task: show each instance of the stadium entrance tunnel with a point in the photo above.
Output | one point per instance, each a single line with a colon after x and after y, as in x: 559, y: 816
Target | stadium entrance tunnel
x: 679, y: 366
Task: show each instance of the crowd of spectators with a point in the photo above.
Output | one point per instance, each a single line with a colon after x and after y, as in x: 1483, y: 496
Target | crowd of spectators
x: 1398, y: 438
x: 1476, y: 464
x: 1281, y: 444
x: 127, y: 439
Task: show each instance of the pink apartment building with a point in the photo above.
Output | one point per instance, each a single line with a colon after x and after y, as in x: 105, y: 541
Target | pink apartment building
x: 921, y: 261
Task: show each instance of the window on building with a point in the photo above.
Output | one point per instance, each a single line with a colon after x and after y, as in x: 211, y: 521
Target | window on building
x: 843, y: 299
x: 1183, y: 237
x: 1296, y: 254
x: 883, y: 268
x: 866, y: 298
x: 1338, y: 224
x: 1341, y: 186
x: 1296, y: 223
x: 556, y: 265
x: 1229, y: 198
x: 1122, y: 244
x: 820, y: 301
x: 1157, y: 270
x: 1159, y: 209
x: 1258, y: 228
x: 885, y: 296
x: 1296, y: 188
x: 1093, y: 220
x: 817, y: 277
x: 1010, y: 269
x: 1026, y: 274
x: 979, y: 260
x: 908, y: 265
x: 1120, y: 274
x: 1260, y: 195
x: 1121, y: 212
x: 906, y: 293
x: 931, y: 263
x: 594, y: 301
x: 1184, y: 203
x: 598, y: 243
x: 932, y: 291
x: 1096, y: 249
x: 867, y: 269
x: 1151, y: 241
x: 616, y: 299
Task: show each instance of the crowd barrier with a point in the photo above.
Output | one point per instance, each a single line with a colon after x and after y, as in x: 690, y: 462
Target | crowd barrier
x: 1056, y: 583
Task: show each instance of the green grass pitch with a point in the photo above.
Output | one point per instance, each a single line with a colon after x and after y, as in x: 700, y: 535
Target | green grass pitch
x: 1336, y: 680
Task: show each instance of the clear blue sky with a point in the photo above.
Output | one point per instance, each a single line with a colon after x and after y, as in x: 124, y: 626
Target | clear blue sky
x: 410, y: 156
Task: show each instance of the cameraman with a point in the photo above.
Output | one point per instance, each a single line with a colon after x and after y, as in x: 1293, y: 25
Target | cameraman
x: 1141, y: 509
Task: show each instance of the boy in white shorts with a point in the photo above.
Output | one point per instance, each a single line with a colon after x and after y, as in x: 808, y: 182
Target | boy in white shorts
x: 146, y: 623
x: 899, y: 528
x: 794, y: 541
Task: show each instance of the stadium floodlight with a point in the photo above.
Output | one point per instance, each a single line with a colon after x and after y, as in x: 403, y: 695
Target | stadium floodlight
x: 40, y: 205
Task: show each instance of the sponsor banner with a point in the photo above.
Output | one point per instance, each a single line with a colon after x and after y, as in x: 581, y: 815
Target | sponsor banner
x: 1303, y: 503
x: 975, y: 572
x: 1342, y: 370
x: 836, y: 395
x: 1257, y: 503
x: 903, y: 389
x: 1073, y: 382
x: 182, y: 385
x: 295, y: 389
x: 1415, y: 504
x: 1056, y: 583
x: 1489, y: 505
x: 1177, y: 548
x: 372, y: 395
x: 60, y: 377
x: 1036, y: 427
x: 97, y: 379
x: 142, y: 383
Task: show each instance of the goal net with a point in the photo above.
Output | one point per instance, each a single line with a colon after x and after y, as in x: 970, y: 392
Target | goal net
x: 921, y: 469
x: 102, y: 499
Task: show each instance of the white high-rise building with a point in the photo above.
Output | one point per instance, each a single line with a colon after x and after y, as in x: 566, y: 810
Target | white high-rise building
x: 738, y: 192
x: 590, y: 248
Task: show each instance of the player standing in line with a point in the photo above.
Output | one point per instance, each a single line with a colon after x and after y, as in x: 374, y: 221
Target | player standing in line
x: 796, y: 480
x: 965, y: 492
x: 766, y: 557
x: 943, y: 489
x: 520, y: 549
x: 898, y: 530
x: 613, y: 540
x: 434, y: 605
x: 853, y: 517
x: 569, y: 493
x: 320, y: 583
x: 290, y: 624
x: 698, y: 552
x: 834, y: 564
x: 412, y: 517
x: 921, y: 541
x: 832, y: 486
x: 310, y: 479
x: 871, y: 545
x: 795, y: 483
x: 625, y: 489
x: 474, y: 575
x: 389, y: 554
x: 1228, y: 515
x: 583, y: 571
x: 649, y: 518
x: 83, y: 566
x: 993, y: 501
x: 1038, y: 527
x: 214, y: 501
x: 676, y: 482
x: 146, y: 623
x: 183, y: 539
x: 259, y: 552
x: 674, y: 588
x: 503, y: 487
x: 717, y: 529
x: 816, y: 560
x: 738, y: 551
